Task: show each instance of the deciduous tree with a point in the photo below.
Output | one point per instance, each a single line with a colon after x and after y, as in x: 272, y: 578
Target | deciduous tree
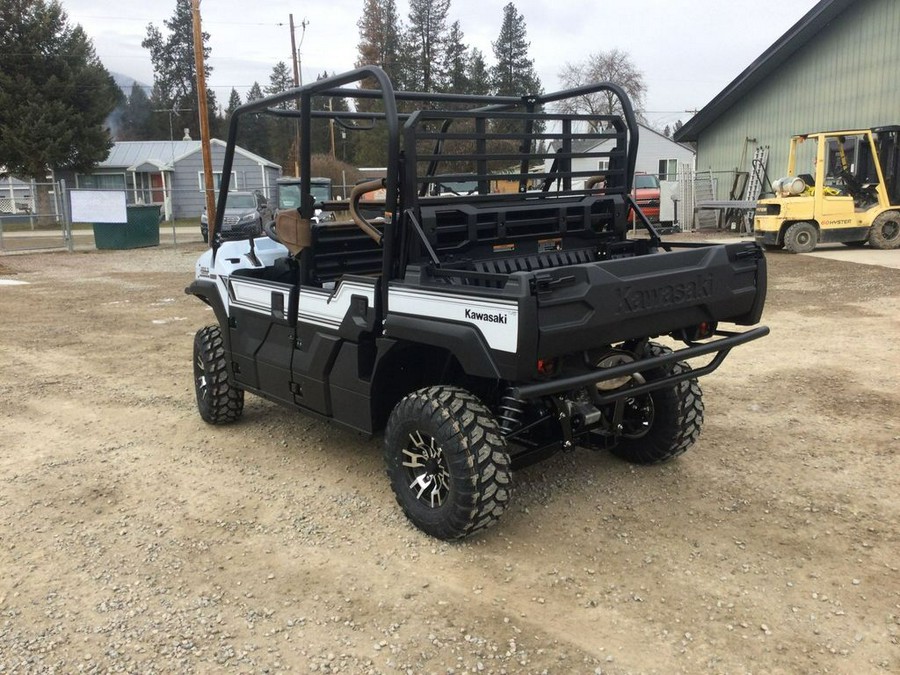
x: 614, y: 65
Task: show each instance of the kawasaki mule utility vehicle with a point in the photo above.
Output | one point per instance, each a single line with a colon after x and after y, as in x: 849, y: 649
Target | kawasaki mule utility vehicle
x: 478, y: 330
x: 852, y: 195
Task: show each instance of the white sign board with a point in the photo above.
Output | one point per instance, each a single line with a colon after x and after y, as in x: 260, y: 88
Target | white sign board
x: 98, y: 206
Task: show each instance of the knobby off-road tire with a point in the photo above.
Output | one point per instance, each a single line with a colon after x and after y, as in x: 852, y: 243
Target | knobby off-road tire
x: 885, y: 232
x: 447, y: 462
x: 801, y: 238
x: 218, y: 401
x: 664, y: 423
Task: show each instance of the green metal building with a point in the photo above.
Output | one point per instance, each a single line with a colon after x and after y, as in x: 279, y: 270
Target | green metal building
x: 837, y: 68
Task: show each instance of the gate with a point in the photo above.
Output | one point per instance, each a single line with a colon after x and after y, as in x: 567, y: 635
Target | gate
x: 35, y: 220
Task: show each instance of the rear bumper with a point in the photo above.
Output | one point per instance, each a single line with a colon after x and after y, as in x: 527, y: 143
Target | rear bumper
x: 720, y: 347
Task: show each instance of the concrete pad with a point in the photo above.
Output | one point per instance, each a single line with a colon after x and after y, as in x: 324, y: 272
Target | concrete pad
x: 863, y: 256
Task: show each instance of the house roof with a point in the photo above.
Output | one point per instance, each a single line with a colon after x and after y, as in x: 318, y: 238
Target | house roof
x: 162, y: 155
x: 586, y: 145
x: 770, y: 60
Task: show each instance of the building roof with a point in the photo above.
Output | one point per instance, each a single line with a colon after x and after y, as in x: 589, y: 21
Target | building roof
x: 132, y: 155
x: 586, y: 145
x: 768, y: 62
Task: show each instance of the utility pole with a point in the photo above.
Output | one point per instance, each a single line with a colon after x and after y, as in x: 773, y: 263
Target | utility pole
x: 204, y: 121
x: 298, y: 80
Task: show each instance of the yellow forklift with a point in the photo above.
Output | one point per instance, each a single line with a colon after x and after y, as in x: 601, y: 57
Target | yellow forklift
x: 852, y: 195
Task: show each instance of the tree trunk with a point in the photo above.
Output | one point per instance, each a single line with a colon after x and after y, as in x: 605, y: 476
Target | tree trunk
x: 44, y: 203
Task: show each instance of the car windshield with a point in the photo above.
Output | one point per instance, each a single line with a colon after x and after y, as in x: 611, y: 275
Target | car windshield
x: 289, y: 195
x: 643, y: 181
x: 237, y: 201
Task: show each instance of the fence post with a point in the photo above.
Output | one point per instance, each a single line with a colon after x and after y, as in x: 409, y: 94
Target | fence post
x: 66, y: 215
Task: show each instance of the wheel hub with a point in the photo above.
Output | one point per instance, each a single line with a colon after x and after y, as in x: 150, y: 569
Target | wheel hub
x: 637, y: 416
x: 426, y: 469
x: 200, y: 376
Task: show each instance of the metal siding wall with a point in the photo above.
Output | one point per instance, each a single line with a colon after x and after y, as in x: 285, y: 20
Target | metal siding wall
x: 844, y: 78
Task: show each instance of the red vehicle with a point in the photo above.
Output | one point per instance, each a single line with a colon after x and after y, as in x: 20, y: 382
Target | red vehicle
x: 646, y: 194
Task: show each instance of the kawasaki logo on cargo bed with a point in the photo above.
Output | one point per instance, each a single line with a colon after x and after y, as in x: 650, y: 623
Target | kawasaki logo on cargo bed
x: 633, y: 299
x: 483, y: 316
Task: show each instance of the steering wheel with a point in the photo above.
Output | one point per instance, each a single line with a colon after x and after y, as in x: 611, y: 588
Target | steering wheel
x: 269, y: 229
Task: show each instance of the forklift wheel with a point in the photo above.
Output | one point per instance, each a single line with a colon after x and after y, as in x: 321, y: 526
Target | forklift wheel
x: 801, y: 238
x: 885, y: 232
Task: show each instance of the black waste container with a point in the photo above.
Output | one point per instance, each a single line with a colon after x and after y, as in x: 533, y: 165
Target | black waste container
x: 142, y: 229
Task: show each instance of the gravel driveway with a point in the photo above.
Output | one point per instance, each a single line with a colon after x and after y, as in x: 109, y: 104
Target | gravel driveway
x: 137, y: 538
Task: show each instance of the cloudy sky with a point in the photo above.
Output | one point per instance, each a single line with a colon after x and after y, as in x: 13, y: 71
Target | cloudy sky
x: 688, y: 50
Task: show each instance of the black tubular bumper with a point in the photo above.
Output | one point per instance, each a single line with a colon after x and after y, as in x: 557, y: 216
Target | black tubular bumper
x: 720, y: 348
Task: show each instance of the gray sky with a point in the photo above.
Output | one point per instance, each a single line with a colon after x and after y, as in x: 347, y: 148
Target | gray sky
x: 688, y: 50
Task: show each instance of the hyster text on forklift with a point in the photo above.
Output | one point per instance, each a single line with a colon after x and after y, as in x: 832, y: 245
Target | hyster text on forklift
x: 852, y: 195
x: 479, y: 331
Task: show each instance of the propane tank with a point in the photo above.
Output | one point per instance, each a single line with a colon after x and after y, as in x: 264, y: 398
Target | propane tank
x: 789, y: 187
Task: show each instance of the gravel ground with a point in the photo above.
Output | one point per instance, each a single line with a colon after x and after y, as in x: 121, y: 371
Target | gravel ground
x: 136, y: 538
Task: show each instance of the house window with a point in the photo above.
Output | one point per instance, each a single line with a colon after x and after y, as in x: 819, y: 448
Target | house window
x: 603, y: 164
x: 668, y: 169
x: 101, y: 181
x: 217, y: 181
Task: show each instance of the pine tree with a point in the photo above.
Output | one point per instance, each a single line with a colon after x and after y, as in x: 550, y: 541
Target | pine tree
x: 379, y: 38
x: 514, y: 73
x: 426, y: 43
x: 479, y: 76
x: 174, y: 71
x: 253, y: 134
x: 55, y: 94
x: 280, y: 80
x: 138, y: 123
x: 456, y: 63
x: 281, y: 130
x: 234, y: 102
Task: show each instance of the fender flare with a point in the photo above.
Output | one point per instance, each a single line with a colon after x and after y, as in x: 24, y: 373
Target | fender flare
x: 463, y: 341
x: 208, y: 292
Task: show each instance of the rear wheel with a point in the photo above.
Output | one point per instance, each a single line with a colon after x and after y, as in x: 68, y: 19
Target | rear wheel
x: 885, y: 232
x: 801, y: 238
x: 218, y: 401
x: 447, y: 462
x: 663, y: 424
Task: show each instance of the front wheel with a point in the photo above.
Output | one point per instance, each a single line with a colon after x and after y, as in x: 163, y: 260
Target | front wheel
x: 664, y: 423
x: 801, y: 238
x: 885, y: 232
x: 218, y: 401
x: 447, y: 462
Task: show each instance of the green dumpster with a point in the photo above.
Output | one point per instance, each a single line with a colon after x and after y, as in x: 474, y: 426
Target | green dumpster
x: 142, y: 229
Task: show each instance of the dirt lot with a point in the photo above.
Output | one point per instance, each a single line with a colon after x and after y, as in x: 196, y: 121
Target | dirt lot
x: 135, y: 537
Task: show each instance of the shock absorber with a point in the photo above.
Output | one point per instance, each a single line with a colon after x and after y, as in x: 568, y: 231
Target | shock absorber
x: 510, y: 413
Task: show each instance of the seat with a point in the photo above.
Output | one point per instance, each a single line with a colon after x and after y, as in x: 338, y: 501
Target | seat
x: 293, y: 230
